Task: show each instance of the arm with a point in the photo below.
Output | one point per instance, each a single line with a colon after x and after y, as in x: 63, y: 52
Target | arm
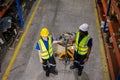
x: 39, y: 52
x: 89, y: 50
x: 55, y: 42
x: 88, y: 53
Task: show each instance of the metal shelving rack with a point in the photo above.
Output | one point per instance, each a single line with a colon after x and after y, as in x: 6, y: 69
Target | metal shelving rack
x: 109, y: 17
x: 3, y: 47
x: 14, y: 10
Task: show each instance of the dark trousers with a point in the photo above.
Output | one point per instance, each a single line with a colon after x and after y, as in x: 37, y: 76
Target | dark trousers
x: 49, y: 65
x: 79, y: 61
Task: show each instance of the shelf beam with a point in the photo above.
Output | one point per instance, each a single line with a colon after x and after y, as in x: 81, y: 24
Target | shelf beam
x: 6, y: 8
x: 111, y: 69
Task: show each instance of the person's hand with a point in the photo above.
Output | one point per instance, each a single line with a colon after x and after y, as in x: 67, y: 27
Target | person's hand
x: 86, y: 59
x: 41, y: 61
x: 60, y: 41
x: 57, y: 42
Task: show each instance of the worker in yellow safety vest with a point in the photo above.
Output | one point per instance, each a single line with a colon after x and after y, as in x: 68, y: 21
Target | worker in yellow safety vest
x: 45, y: 51
x: 83, y: 45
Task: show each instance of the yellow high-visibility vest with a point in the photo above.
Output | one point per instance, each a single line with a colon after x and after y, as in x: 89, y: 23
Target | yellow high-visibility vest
x: 81, y: 47
x: 46, y: 54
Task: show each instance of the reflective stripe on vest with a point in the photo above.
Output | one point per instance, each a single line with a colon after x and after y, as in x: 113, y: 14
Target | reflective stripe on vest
x: 81, y: 47
x: 45, y: 54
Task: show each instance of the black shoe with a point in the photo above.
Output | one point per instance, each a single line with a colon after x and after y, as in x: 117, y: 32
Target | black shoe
x: 55, y: 72
x: 79, y: 73
x: 47, y: 74
x: 80, y: 69
x: 72, y: 67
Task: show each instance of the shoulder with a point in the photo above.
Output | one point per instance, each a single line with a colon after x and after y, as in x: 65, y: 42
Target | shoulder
x: 50, y: 36
x: 90, y: 40
x: 89, y: 36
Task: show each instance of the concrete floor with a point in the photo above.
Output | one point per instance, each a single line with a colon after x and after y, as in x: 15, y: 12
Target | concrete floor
x: 59, y: 16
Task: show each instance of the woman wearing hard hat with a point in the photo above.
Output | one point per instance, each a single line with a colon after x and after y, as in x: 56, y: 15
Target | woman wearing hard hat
x: 83, y: 45
x: 45, y: 51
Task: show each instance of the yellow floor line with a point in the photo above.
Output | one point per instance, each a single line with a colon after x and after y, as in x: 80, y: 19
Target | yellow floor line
x: 104, y: 62
x: 20, y: 43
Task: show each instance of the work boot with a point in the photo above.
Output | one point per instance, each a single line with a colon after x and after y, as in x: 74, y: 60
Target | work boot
x: 47, y: 74
x: 72, y: 67
x: 54, y: 72
x: 79, y: 73
x: 80, y: 69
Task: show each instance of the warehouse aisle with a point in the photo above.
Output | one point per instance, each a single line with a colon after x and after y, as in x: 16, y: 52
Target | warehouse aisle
x: 59, y: 16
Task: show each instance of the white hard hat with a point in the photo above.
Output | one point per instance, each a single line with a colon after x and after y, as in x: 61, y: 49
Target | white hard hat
x: 84, y: 27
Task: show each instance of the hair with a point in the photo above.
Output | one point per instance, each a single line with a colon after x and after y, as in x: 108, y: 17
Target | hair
x: 86, y: 32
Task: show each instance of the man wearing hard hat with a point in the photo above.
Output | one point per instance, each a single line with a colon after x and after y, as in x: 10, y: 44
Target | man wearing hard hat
x: 83, y: 45
x: 45, y: 51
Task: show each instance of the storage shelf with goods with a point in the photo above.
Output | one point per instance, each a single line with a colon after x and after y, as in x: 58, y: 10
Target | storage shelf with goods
x: 4, y: 6
x: 109, y: 17
x: 10, y: 9
x: 5, y: 22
